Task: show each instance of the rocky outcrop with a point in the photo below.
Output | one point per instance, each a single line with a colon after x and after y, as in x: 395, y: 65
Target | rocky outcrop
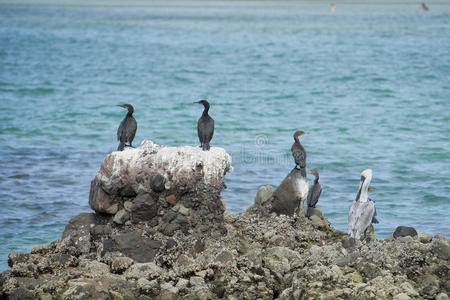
x: 147, y: 240
x: 268, y: 257
x: 177, y: 186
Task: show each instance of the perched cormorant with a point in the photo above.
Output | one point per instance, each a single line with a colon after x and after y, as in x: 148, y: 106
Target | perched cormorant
x: 127, y: 128
x: 314, y: 194
x: 362, y: 211
x: 299, y: 153
x: 205, y: 126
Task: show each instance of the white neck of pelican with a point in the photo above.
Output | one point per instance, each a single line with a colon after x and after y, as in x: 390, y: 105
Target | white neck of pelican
x: 363, y: 191
x: 364, y: 195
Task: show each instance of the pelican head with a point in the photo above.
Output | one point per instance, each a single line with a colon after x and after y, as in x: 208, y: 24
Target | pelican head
x: 366, y: 177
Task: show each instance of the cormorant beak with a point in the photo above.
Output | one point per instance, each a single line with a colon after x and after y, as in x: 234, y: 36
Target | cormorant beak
x: 371, y: 189
x: 121, y: 105
x: 196, y: 102
x: 305, y: 133
x: 310, y: 172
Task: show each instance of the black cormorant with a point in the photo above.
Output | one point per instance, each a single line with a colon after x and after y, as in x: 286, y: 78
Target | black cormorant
x: 299, y: 153
x: 314, y: 194
x: 205, y: 127
x: 127, y: 128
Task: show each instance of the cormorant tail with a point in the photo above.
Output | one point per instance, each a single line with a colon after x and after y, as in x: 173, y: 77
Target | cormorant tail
x: 121, y: 146
x: 309, y: 211
x: 205, y: 146
x: 374, y: 220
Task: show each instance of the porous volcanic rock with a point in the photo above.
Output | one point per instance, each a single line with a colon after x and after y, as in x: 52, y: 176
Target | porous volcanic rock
x: 157, y: 180
x: 258, y: 257
x: 189, y: 247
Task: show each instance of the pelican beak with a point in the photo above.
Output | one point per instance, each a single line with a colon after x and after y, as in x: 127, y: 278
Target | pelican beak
x: 360, y: 187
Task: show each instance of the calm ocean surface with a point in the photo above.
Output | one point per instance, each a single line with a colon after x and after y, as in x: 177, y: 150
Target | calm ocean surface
x: 371, y: 83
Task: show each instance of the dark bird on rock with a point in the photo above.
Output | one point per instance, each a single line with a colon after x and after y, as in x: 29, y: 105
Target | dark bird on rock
x: 313, y: 194
x: 299, y: 153
x: 127, y: 128
x: 205, y: 126
x: 424, y: 6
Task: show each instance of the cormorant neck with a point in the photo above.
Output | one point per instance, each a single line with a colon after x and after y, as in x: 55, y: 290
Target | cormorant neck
x: 130, y: 113
x: 296, y: 139
x: 205, y: 111
x: 316, y: 180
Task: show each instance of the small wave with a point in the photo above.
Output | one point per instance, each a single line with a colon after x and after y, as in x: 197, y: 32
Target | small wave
x: 344, y: 78
x: 379, y: 79
x: 114, y: 83
x: 20, y: 176
x: 379, y: 91
x: 10, y: 221
x: 436, y: 199
x: 10, y: 130
x: 182, y: 79
x: 32, y: 91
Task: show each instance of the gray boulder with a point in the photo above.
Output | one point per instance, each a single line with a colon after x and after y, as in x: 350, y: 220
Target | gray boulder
x: 402, y: 231
x: 134, y: 245
x: 264, y: 193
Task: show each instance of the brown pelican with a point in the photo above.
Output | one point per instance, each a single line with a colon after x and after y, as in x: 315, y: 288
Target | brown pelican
x: 362, y: 211
x: 127, y: 128
x: 313, y: 194
x: 205, y: 126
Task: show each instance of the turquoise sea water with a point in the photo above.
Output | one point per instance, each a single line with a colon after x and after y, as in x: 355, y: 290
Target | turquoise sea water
x: 371, y: 83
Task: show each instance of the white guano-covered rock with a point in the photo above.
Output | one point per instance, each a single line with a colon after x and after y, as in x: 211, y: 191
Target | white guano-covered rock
x: 172, y: 188
x: 129, y: 171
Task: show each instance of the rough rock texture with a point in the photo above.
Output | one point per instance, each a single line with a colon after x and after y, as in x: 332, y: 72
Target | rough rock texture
x: 264, y: 257
x: 184, y: 182
x: 160, y: 248
x: 290, y: 196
